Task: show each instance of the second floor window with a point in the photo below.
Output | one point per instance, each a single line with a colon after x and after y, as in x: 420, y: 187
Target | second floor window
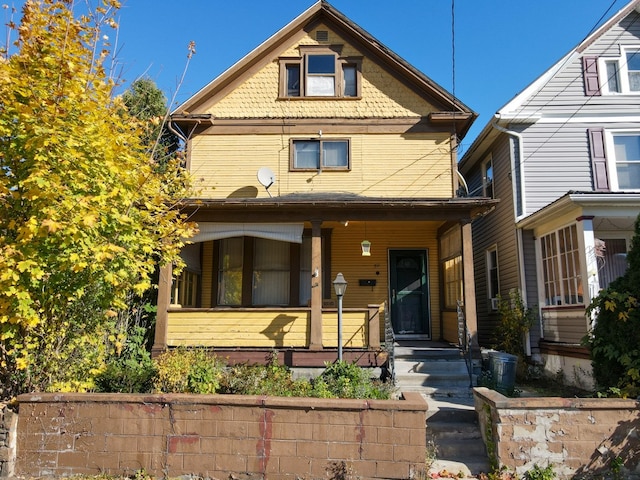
x: 621, y: 75
x: 320, y: 155
x: 487, y: 178
x: 625, y: 167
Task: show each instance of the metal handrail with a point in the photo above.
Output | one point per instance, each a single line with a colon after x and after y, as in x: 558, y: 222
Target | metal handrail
x: 389, y: 342
x: 464, y: 340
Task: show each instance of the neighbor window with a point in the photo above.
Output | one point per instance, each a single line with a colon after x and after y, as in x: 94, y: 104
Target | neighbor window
x: 487, y: 178
x: 320, y: 155
x: 625, y: 164
x: 492, y: 277
x: 561, y: 267
x: 622, y: 74
x: 320, y: 72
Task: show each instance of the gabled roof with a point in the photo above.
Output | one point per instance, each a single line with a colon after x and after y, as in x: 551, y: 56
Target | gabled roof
x: 505, y: 114
x: 323, y: 12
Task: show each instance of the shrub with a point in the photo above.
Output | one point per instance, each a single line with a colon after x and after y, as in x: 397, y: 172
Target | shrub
x: 272, y: 379
x: 348, y: 380
x: 516, y: 319
x: 615, y: 333
x: 185, y: 370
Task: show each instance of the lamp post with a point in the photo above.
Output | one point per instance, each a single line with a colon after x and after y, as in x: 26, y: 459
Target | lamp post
x: 340, y: 285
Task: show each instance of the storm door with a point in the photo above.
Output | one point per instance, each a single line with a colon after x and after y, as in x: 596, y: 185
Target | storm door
x: 409, y: 291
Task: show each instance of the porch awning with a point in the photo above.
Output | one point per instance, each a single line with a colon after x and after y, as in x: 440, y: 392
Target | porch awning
x: 284, y: 232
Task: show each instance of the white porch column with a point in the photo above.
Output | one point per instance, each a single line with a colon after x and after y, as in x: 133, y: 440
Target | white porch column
x: 588, y: 267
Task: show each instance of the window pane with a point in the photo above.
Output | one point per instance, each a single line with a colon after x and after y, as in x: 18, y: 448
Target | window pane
x: 293, y: 80
x: 350, y: 78
x: 452, y: 282
x: 335, y: 154
x: 612, y: 77
x: 270, y: 272
x: 633, y: 66
x: 627, y: 147
x: 230, y: 271
x: 629, y: 175
x: 306, y: 154
x: 321, y: 64
x: 321, y: 86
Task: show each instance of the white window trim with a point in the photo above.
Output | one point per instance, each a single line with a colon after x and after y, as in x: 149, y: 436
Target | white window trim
x: 612, y: 169
x: 485, y: 183
x: 540, y: 267
x: 623, y: 72
x: 493, y: 300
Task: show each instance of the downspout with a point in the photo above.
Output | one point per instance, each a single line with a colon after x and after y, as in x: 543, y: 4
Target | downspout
x: 523, y: 283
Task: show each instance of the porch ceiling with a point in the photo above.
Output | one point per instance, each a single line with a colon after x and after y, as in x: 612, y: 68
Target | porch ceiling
x: 336, y: 207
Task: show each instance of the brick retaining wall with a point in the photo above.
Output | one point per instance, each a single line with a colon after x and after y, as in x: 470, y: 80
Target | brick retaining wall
x: 575, y: 435
x: 218, y: 435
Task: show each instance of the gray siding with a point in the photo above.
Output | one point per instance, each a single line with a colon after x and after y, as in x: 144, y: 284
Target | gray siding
x: 564, y: 93
x: 496, y: 228
x: 531, y: 279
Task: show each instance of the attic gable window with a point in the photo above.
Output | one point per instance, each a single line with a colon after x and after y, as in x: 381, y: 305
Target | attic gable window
x: 621, y: 75
x: 320, y: 72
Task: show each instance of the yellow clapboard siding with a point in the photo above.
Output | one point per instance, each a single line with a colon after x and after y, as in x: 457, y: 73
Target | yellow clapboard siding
x: 353, y: 329
x: 385, y: 165
x: 238, y: 328
x: 346, y: 257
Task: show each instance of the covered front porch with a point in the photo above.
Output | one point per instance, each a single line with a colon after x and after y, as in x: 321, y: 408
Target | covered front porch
x: 246, y: 293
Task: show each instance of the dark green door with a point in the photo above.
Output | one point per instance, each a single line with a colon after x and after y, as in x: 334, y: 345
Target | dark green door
x: 409, y: 289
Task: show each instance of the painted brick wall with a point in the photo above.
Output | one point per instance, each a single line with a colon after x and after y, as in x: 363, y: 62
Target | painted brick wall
x: 575, y: 435
x: 218, y: 435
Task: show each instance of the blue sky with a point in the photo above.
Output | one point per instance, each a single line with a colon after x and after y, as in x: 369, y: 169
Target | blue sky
x: 500, y: 45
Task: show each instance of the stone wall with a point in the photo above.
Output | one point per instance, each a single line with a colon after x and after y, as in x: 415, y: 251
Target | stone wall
x: 575, y: 435
x: 219, y: 435
x: 8, y: 423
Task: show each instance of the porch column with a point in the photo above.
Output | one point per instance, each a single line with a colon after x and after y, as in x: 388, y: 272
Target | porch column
x: 588, y: 267
x: 315, y: 341
x: 162, y: 316
x: 469, y: 283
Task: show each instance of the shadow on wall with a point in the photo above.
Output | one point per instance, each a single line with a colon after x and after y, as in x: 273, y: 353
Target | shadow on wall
x: 278, y: 328
x: 617, y: 454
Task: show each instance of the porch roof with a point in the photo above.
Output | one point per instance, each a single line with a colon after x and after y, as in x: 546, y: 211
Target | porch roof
x: 337, y: 207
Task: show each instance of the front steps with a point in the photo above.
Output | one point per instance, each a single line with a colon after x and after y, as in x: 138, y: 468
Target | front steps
x: 439, y: 372
x: 433, y: 369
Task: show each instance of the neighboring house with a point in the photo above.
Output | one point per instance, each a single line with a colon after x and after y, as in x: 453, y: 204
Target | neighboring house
x: 563, y: 158
x: 321, y: 152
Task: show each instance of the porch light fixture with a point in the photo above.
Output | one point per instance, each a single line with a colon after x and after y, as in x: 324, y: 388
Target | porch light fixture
x: 340, y: 286
x: 366, y: 248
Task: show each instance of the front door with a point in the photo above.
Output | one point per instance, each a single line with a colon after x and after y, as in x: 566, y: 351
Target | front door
x: 409, y: 290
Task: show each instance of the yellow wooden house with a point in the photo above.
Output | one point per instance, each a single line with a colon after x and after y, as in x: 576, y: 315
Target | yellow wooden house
x: 321, y: 152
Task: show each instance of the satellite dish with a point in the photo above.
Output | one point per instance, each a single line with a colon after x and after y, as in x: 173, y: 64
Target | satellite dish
x: 266, y: 177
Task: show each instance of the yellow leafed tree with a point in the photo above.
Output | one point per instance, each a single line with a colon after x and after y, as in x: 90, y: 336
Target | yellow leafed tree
x: 86, y: 215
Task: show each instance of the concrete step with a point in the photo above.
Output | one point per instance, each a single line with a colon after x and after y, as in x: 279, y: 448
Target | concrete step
x: 430, y: 366
x: 453, y: 434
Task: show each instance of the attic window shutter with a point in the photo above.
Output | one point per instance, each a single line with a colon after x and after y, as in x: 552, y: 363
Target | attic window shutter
x: 590, y: 73
x: 598, y: 160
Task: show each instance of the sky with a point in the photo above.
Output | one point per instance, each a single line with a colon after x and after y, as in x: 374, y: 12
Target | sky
x: 483, y: 51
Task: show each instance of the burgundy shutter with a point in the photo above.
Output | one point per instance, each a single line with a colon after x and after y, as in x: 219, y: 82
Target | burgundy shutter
x: 598, y: 160
x: 590, y: 73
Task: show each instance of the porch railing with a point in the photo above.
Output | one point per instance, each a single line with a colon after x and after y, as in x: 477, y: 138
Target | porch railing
x: 389, y: 344
x: 464, y: 340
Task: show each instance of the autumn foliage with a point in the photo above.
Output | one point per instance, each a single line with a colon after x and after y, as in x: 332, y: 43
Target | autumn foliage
x: 86, y: 214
